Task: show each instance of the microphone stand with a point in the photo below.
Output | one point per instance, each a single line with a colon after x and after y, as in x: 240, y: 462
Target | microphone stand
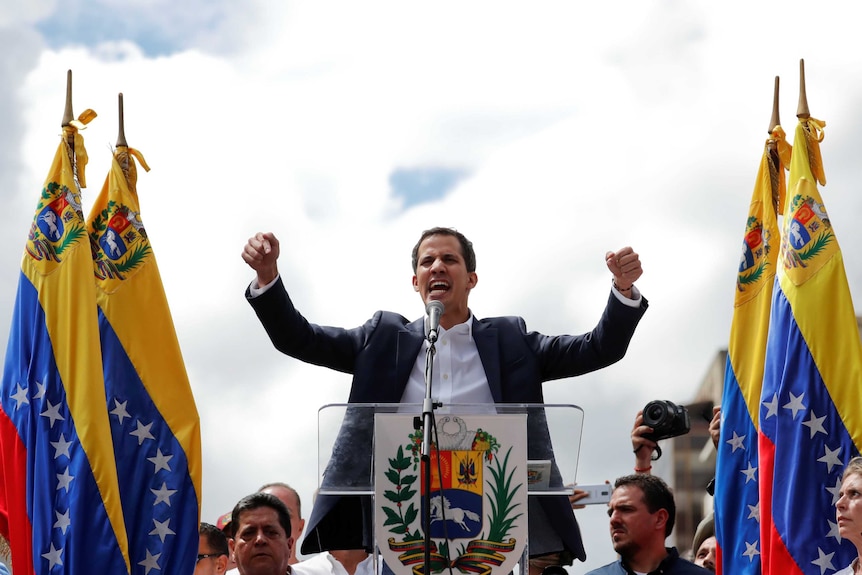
x: 427, y: 421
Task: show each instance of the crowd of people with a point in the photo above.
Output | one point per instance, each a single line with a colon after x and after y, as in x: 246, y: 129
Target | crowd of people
x: 259, y: 536
x: 641, y: 517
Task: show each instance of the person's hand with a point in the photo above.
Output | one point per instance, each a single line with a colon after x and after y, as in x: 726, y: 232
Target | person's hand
x: 625, y: 265
x: 715, y: 425
x: 576, y: 496
x: 261, y: 254
x: 642, y: 447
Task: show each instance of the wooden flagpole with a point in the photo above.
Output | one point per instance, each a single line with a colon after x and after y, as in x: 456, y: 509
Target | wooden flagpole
x: 802, y: 111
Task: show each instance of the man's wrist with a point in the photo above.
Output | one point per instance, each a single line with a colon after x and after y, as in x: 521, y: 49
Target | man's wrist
x: 625, y: 291
x: 266, y: 278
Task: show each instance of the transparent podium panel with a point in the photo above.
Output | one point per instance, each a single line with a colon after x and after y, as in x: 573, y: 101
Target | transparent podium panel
x: 346, y: 442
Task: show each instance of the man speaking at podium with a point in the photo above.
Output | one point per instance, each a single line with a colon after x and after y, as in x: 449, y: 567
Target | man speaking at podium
x: 491, y: 360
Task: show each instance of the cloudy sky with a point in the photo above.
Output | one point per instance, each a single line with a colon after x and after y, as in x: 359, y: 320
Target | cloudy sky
x: 548, y: 132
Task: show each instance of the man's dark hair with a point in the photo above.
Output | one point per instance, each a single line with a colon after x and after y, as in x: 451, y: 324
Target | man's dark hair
x: 466, y: 246
x: 657, y: 495
x: 216, y: 540
x: 289, y: 488
x: 256, y: 501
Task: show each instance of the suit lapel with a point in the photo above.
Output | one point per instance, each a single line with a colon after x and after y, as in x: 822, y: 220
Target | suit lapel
x: 409, y: 343
x: 489, y: 352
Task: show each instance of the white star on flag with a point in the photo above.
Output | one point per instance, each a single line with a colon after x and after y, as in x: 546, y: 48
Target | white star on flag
x: 771, y: 406
x: 20, y: 397
x: 53, y: 413
x: 53, y: 557
x: 751, y: 551
x: 795, y: 404
x: 64, y: 479
x: 736, y: 442
x: 163, y: 495
x: 830, y: 458
x: 824, y: 561
x: 160, y: 461
x: 749, y: 473
x: 142, y: 432
x: 151, y: 562
x: 61, y: 447
x: 815, y: 424
x: 40, y: 391
x: 754, y: 512
x: 162, y: 529
x: 63, y: 521
x: 120, y: 410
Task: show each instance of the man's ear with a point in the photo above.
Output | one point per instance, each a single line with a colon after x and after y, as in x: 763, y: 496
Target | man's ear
x: 415, y: 283
x: 661, y: 517
x: 230, y: 545
x: 221, y: 563
x: 473, y: 279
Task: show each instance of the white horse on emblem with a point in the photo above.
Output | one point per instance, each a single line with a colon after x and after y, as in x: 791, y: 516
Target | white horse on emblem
x: 50, y: 219
x: 798, y: 240
x: 111, y: 240
x: 455, y: 514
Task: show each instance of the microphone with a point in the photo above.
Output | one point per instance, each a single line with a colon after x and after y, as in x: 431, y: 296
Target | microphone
x: 434, y: 309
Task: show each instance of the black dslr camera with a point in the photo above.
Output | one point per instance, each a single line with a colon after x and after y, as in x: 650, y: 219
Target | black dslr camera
x: 666, y: 418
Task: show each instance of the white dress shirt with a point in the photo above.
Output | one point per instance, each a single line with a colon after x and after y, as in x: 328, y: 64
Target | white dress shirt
x: 326, y: 564
x: 457, y: 375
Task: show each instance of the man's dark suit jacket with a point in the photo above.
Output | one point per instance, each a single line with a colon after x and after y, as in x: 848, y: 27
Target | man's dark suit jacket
x: 381, y: 354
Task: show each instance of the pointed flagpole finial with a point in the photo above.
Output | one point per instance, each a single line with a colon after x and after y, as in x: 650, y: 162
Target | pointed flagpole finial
x: 68, y: 116
x: 775, y: 120
x: 121, y: 137
x: 802, y: 111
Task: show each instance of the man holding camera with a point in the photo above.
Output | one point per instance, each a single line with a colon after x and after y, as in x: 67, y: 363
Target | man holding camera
x: 657, y: 420
x: 653, y: 424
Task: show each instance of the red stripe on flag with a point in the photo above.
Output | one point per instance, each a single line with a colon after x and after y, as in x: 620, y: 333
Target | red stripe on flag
x: 718, y: 562
x: 766, y: 455
x: 775, y: 558
x: 14, y: 521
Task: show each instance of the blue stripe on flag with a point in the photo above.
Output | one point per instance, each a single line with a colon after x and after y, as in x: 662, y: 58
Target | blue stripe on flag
x: 736, y: 481
x: 812, y: 446
x: 70, y: 524
x: 160, y: 519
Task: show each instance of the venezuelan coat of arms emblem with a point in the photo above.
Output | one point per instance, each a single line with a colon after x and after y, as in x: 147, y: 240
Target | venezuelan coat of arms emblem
x: 477, y: 501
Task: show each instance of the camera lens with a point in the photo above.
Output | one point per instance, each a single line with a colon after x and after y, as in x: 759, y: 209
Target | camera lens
x: 655, y: 412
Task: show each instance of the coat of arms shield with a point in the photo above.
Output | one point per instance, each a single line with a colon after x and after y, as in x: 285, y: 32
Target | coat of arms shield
x: 477, y: 500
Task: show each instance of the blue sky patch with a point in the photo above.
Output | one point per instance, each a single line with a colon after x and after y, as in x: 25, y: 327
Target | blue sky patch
x: 170, y: 29
x: 423, y: 185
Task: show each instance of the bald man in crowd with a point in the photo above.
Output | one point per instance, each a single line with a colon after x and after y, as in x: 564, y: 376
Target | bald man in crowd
x: 290, y: 498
